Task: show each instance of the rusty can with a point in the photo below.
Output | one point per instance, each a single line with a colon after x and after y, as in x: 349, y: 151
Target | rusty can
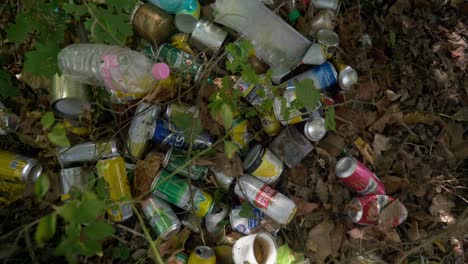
x: 152, y: 23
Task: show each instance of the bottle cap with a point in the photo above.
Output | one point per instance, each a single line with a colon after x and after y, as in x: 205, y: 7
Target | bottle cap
x: 294, y: 15
x: 160, y: 71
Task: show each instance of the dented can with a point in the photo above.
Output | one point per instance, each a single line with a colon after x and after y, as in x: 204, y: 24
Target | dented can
x: 245, y: 225
x: 365, y: 210
x: 161, y: 217
x: 139, y: 132
x: 261, y: 162
x: 202, y: 255
x: 115, y: 175
x: 322, y: 20
x: 87, y: 152
x: 358, y: 177
x: 175, y: 160
x: 18, y: 168
x: 72, y: 178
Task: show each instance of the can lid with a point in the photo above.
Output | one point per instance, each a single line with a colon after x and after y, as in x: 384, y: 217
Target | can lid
x: 347, y: 78
x: 346, y: 166
x: 167, y: 156
x: 204, y: 252
x: 314, y: 130
x: 31, y: 171
x: 252, y: 156
x: 160, y: 71
x: 68, y: 96
x: 355, y: 210
x: 328, y: 37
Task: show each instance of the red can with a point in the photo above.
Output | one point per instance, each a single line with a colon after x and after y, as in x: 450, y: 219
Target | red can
x: 365, y: 210
x: 358, y: 177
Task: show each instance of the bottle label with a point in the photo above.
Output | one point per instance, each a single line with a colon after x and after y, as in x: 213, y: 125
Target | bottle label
x: 110, y: 72
x: 264, y: 196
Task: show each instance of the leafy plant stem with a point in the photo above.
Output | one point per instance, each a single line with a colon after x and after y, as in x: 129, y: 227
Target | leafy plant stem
x: 27, y: 238
x: 148, y: 235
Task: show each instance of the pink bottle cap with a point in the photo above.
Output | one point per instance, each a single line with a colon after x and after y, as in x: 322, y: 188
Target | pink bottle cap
x: 160, y: 71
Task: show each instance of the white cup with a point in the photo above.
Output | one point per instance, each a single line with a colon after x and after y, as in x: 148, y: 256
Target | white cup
x: 258, y: 248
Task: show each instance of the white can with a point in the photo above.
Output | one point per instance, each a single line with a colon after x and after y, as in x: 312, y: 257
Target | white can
x: 248, y: 248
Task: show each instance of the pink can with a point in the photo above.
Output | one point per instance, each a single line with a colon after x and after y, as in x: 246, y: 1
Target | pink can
x: 358, y: 177
x: 365, y: 210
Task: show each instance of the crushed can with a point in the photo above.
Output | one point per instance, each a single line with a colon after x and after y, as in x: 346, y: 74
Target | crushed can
x: 180, y: 61
x: 74, y: 177
x: 87, y: 152
x: 19, y: 168
x: 261, y: 162
x: 365, y: 210
x: 291, y: 146
x: 175, y: 160
x: 161, y: 217
x: 167, y: 134
x: 358, y: 177
x: 245, y: 225
x: 202, y: 255
x: 9, y: 122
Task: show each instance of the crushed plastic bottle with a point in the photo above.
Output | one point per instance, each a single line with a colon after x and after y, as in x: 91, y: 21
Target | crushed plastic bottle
x: 121, y: 70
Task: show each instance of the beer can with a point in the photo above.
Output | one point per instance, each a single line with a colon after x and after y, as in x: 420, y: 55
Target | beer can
x: 358, y: 177
x: 9, y: 122
x: 324, y: 77
x: 254, y: 94
x: 261, y: 162
x: 10, y: 192
x: 114, y: 173
x: 18, y: 168
x: 161, y: 217
x: 192, y: 222
x: 206, y: 36
x: 181, y: 258
x: 329, y: 41
x: 175, y: 160
x: 202, y: 255
x: 314, y: 129
x: 68, y: 96
x: 176, y: 191
x: 186, y: 19
x: 87, y: 152
x: 347, y: 76
x: 291, y: 146
x: 247, y: 249
x: 240, y: 133
x: 245, y: 225
x: 326, y: 4
x: 167, y: 134
x: 180, y: 61
x: 72, y: 178
x: 365, y: 210
x: 141, y: 128
x: 152, y: 23
x: 295, y: 115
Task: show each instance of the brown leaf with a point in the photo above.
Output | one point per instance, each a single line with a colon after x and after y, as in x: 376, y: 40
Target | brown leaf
x: 230, y: 167
x: 394, y: 183
x: 173, y: 244
x: 391, y: 95
x: 145, y: 172
x: 380, y: 144
x: 393, y: 214
x: 203, y: 162
x: 304, y: 207
x: 413, y: 232
x: 461, y: 115
x: 441, y: 207
x: 365, y: 150
x: 320, y: 240
x: 322, y: 190
x: 298, y: 174
x: 336, y: 237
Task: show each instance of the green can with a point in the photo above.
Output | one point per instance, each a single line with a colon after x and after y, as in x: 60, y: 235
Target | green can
x: 181, y: 258
x: 175, y: 190
x: 180, y: 61
x: 161, y: 217
x: 175, y: 160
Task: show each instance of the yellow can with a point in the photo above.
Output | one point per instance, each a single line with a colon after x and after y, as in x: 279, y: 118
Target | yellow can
x: 270, y: 124
x: 240, y: 132
x: 261, y: 162
x: 10, y: 192
x: 202, y: 255
x: 114, y: 173
x: 18, y: 168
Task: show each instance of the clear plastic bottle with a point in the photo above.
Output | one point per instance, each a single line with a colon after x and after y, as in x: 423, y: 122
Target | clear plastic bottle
x: 174, y: 6
x: 119, y: 69
x: 274, y: 204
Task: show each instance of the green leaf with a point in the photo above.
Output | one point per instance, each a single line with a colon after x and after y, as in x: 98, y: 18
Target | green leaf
x: 98, y: 231
x: 229, y: 149
x: 287, y: 256
x: 126, y: 6
x: 101, y: 188
x: 307, y: 94
x: 47, y: 120
x: 392, y: 37
x: 42, y: 185
x: 284, y: 109
x: 247, y: 211
x: 330, y: 118
x: 227, y: 116
x: 89, y: 248
x: 89, y: 209
x: 69, y: 247
x: 19, y: 31
x: 121, y: 251
x: 75, y: 10
x: 43, y: 60
x: 248, y: 73
x: 218, y: 195
x: 110, y: 27
x: 6, y: 86
x: 68, y: 210
x: 45, y: 229
x: 58, y: 136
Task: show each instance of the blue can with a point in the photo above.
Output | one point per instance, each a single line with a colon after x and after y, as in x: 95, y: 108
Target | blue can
x: 324, y: 76
x: 168, y: 134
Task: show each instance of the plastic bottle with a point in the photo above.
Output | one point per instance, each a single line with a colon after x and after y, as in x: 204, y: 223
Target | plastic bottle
x: 175, y: 6
x: 119, y: 69
x: 274, y: 204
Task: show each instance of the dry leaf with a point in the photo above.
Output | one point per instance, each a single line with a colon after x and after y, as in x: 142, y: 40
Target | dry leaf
x: 394, y: 183
x: 230, y: 167
x: 393, y: 214
x: 322, y: 190
x: 337, y: 236
x: 365, y: 150
x: 356, y: 233
x: 461, y: 115
x: 320, y: 240
x: 145, y: 172
x: 413, y: 232
x: 304, y: 207
x: 441, y: 207
x: 173, y: 244
x: 391, y: 95
x: 380, y: 144
x: 298, y: 174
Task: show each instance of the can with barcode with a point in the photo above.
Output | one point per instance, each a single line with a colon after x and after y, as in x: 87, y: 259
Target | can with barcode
x: 167, y: 134
x: 141, y: 128
x: 245, y: 225
x: 18, y: 168
x: 358, y: 177
x: 161, y: 217
x: 176, y: 160
x: 74, y: 177
x: 115, y: 175
x: 180, y: 61
x: 87, y: 152
x: 202, y: 255
x: 365, y: 210
x: 176, y: 190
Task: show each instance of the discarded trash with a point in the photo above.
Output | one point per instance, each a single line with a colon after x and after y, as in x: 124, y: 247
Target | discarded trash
x: 9, y: 122
x: 326, y: 4
x: 167, y: 134
x: 192, y: 221
x: 329, y: 40
x: 202, y: 255
x: 261, y: 162
x: 18, y: 168
x: 161, y: 217
x: 357, y: 177
x: 10, y: 192
x: 213, y: 220
x: 365, y: 210
x: 180, y: 61
x: 222, y: 180
x: 175, y: 161
x: 206, y: 36
x: 74, y: 177
x: 152, y: 23
x: 315, y: 129
x: 291, y: 146
x: 87, y: 152
x: 259, y: 248
x: 322, y: 20
x: 245, y: 225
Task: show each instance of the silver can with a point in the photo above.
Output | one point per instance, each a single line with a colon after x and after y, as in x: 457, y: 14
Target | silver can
x: 161, y: 217
x: 213, y: 220
x: 206, y: 36
x: 327, y: 4
x: 68, y: 96
x: 87, y: 152
x: 141, y: 129
x: 322, y: 20
x: 347, y: 77
x: 9, y: 122
x: 74, y: 177
x: 245, y: 225
x: 291, y: 147
x: 329, y: 41
x: 315, y: 130
x: 192, y: 221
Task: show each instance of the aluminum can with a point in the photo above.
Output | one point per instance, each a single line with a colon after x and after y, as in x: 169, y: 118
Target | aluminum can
x: 291, y: 146
x: 10, y: 192
x: 174, y: 110
x: 18, y: 168
x: 296, y: 115
x: 254, y: 94
x: 181, y: 258
x: 175, y: 160
x: 248, y: 248
x: 326, y: 4
x: 365, y: 210
x: 329, y: 41
x: 161, y: 217
x: 9, y: 122
x: 202, y: 255
x: 152, y: 23
x: 68, y: 96
x: 176, y: 191
x: 315, y: 55
x: 245, y: 225
x: 274, y: 204
x: 192, y: 221
x: 167, y: 134
x: 240, y: 133
x: 347, y: 76
x: 314, y: 129
x: 271, y: 125
x: 186, y: 19
x: 72, y: 178
x: 261, y: 162
x: 322, y: 20
x: 206, y: 36
x: 222, y: 179
x: 324, y: 76
x: 87, y: 152
x: 114, y: 173
x: 358, y: 177
x: 141, y: 129
x: 180, y: 61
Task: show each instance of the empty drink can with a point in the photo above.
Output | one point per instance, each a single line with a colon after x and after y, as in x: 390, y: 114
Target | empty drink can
x: 180, y: 61
x: 329, y: 41
x: 358, y: 177
x: 114, y: 173
x: 181, y: 258
x: 314, y: 129
x: 324, y: 77
x: 87, y: 152
x: 245, y: 225
x: 222, y: 179
x: 9, y: 122
x: 327, y: 4
x: 240, y: 133
x: 175, y: 160
x: 291, y: 146
x: 186, y: 19
x: 68, y: 96
x: 176, y: 191
x: 152, y: 23
x: 322, y: 20
x: 365, y: 210
x: 175, y: 110
x: 202, y: 255
x: 206, y: 36
x: 72, y: 178
x: 167, y: 134
x: 161, y: 217
x: 141, y: 128
x: 18, y: 168
x: 347, y: 76
x: 261, y: 162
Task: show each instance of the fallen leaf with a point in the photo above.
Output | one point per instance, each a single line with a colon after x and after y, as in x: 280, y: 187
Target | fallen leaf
x: 461, y: 115
x: 336, y: 237
x: 413, y: 232
x: 298, y: 174
x: 394, y: 183
x: 304, y: 207
x: 391, y: 95
x: 441, y: 207
x: 380, y: 144
x: 322, y: 190
x: 365, y: 150
x: 173, y: 244
x: 230, y: 167
x: 145, y: 172
x: 356, y: 233
x: 320, y: 240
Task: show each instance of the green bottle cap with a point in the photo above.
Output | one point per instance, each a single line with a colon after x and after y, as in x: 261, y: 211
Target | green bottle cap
x: 294, y: 15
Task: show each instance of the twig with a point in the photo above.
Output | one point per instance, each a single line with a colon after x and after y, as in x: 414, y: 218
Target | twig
x: 130, y: 230
x: 27, y: 238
